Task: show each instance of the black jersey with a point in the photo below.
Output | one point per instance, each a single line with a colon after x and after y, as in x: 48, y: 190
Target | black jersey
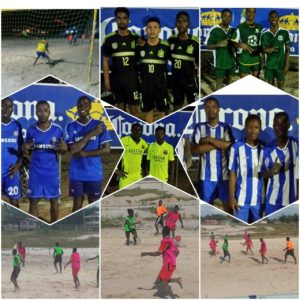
x: 122, y: 51
x: 153, y: 62
x: 184, y: 56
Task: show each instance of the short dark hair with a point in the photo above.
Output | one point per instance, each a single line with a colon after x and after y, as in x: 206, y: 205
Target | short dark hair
x: 281, y: 114
x: 136, y: 124
x: 130, y: 210
x: 252, y: 117
x: 153, y: 19
x: 287, y: 238
x: 211, y: 99
x: 42, y: 103
x: 84, y: 97
x: 176, y: 207
x: 182, y: 13
x: 122, y: 10
x: 273, y: 12
x: 160, y: 128
x: 226, y: 10
x: 14, y: 251
x: 74, y: 249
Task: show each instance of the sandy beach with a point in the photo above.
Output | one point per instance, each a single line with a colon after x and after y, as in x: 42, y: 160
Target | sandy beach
x: 38, y: 279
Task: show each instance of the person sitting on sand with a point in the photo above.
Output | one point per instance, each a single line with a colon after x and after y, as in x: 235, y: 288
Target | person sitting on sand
x: 169, y: 252
x: 75, y: 263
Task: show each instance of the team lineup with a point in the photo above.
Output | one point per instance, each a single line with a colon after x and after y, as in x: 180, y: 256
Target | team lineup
x: 192, y: 196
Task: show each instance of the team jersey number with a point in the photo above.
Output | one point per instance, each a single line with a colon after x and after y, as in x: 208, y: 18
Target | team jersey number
x: 125, y: 61
x: 151, y: 69
x: 177, y: 64
x: 13, y: 190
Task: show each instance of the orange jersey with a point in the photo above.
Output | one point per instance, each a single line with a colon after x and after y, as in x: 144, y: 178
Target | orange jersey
x: 161, y: 210
x: 290, y: 245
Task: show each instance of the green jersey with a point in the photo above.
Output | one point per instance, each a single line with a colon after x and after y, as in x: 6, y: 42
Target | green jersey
x: 129, y: 223
x: 58, y: 251
x: 279, y: 39
x: 132, y: 157
x: 159, y: 156
x: 225, y: 58
x: 250, y: 35
x: 16, y: 262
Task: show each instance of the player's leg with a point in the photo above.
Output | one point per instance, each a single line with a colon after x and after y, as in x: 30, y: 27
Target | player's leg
x: 55, y: 263
x: 131, y: 94
x: 93, y: 189
x: 228, y: 76
x: 255, y: 69
x: 60, y: 263
x: 220, y: 76
x: 178, y: 93
x: 161, y: 100
x: 54, y: 209
x: 286, y: 255
x: 173, y: 233
x: 207, y: 191
x: 269, y: 76
x: 293, y: 256
x: 156, y: 224
x: 147, y: 103
x: 37, y: 58
x: 77, y: 192
x: 134, y: 233
x: 33, y: 206
x: 178, y: 280
x: 280, y: 79
x: 243, y: 213
x: 127, y: 235
x: 244, y: 70
x: 222, y: 192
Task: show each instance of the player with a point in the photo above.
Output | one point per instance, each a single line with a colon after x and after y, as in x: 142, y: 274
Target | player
x: 171, y: 219
x: 44, y: 140
x: 213, y: 246
x: 219, y: 39
x: 161, y: 161
x: 92, y: 258
x: 263, y: 250
x: 161, y: 210
x: 247, y: 38
x: 169, y: 252
x: 119, y: 46
x: 249, y: 244
x: 75, y: 263
x: 153, y: 57
x: 130, y: 170
x: 41, y: 51
x: 245, y: 181
x: 211, y: 140
x: 129, y: 227
x: 225, y: 250
x: 57, y: 256
x: 16, y: 262
x: 11, y: 143
x: 184, y: 50
x: 289, y: 250
x: 22, y: 253
x: 276, y: 44
x: 279, y: 165
x: 87, y: 140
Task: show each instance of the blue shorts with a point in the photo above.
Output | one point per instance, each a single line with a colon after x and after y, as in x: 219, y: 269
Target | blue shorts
x: 249, y: 214
x: 49, y: 191
x: 80, y: 188
x: 11, y: 187
x: 41, y: 54
x: 270, y: 208
x: 210, y: 190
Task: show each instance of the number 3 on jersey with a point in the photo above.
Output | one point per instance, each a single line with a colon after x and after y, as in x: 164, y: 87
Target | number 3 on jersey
x: 151, y: 69
x: 125, y: 61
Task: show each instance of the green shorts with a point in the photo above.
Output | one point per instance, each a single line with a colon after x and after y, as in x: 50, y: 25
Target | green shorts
x: 249, y: 69
x: 270, y: 74
x: 222, y: 73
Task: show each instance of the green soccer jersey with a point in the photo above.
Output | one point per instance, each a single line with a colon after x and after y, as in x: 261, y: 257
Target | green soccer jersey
x: 159, y: 157
x: 279, y: 40
x: 132, y: 157
x: 129, y: 223
x: 16, y: 262
x: 225, y: 58
x: 250, y: 35
x: 58, y: 251
x: 225, y: 244
x: 184, y: 56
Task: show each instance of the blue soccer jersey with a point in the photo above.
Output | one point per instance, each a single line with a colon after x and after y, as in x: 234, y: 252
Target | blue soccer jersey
x: 244, y: 160
x: 11, y: 141
x: 213, y: 164
x: 282, y: 187
x: 86, y: 168
x: 44, y: 168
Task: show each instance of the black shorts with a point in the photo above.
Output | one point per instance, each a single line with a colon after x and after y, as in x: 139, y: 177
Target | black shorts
x: 159, y: 221
x: 127, y: 233
x: 290, y: 252
x: 125, y: 90
x: 58, y: 259
x: 154, y: 96
x: 182, y: 88
x: 15, y: 273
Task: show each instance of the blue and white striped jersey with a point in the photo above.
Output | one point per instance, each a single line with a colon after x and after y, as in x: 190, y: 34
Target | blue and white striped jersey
x: 213, y: 164
x: 281, y: 188
x: 244, y: 160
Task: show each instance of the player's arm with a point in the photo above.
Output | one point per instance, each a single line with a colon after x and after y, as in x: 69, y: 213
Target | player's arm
x: 67, y: 263
x: 172, y: 171
x: 92, y: 258
x: 201, y: 148
x: 105, y: 149
x: 78, y: 146
x: 180, y: 220
x: 61, y: 147
x: 233, y: 203
x: 275, y: 169
x: 218, y: 143
x: 105, y: 61
x: 286, y: 59
x: 13, y: 169
x: 220, y: 44
x: 237, y: 43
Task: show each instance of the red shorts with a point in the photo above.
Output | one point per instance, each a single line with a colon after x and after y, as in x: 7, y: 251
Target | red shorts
x: 166, y: 272
x: 75, y: 272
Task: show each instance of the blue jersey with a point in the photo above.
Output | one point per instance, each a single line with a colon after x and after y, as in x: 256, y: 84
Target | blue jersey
x: 213, y: 164
x: 244, y: 160
x: 44, y: 169
x: 282, y: 187
x: 11, y: 141
x: 87, y: 168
